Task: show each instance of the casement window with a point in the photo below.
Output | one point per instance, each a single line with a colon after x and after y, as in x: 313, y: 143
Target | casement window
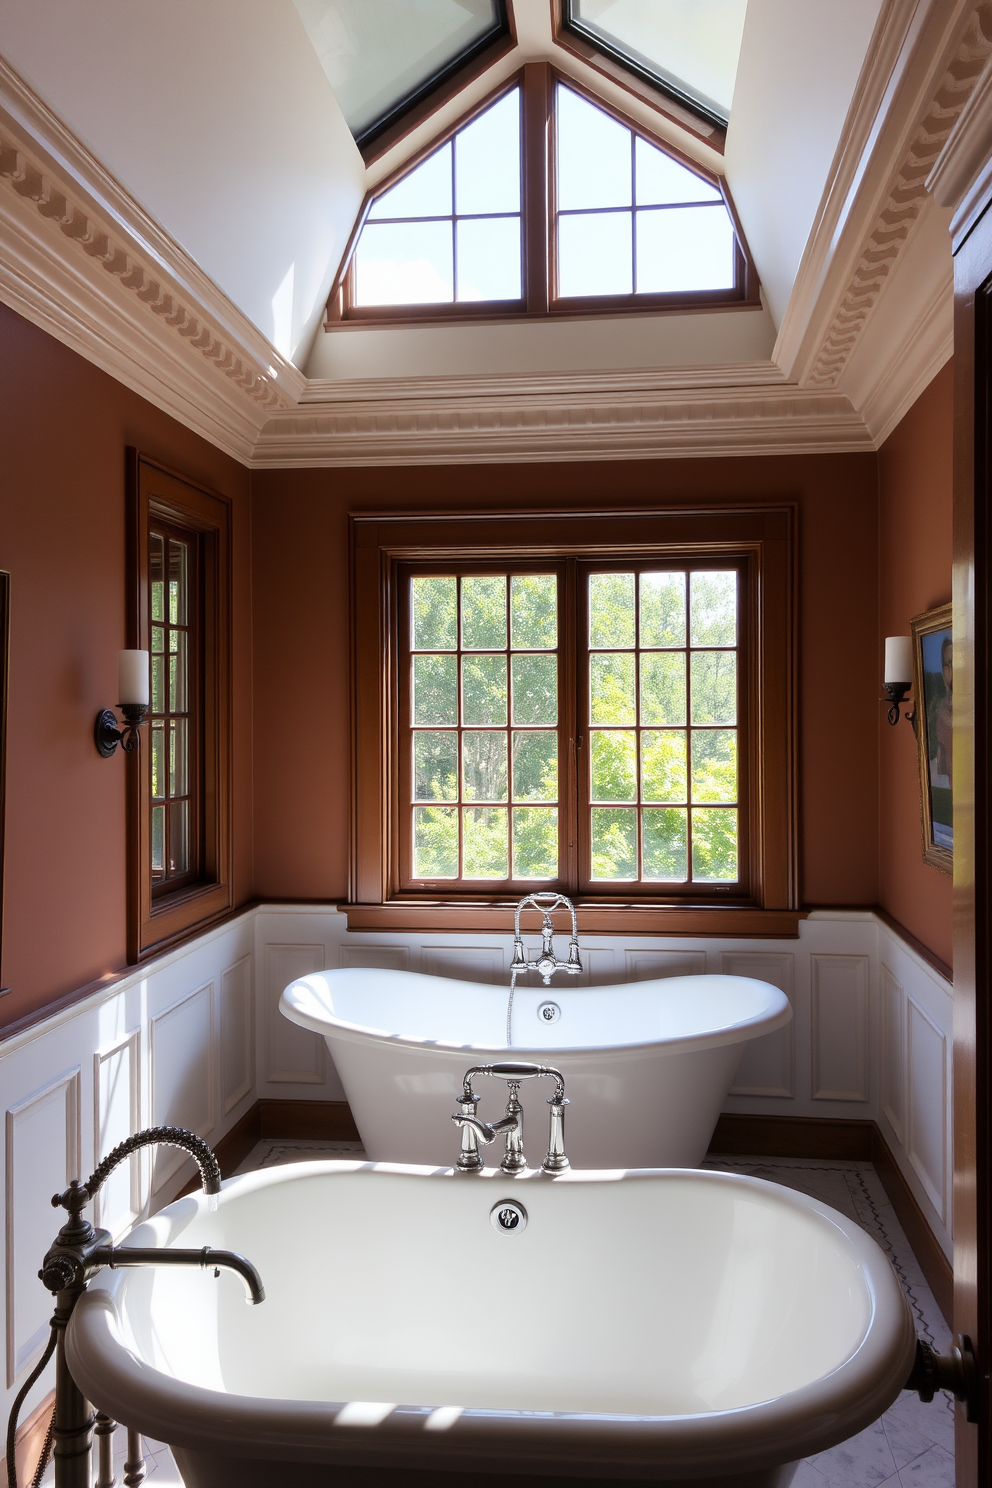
x: 568, y: 710
x: 179, y: 872
x: 543, y: 201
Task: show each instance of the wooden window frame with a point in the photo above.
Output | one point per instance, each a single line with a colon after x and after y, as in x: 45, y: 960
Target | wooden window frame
x: 157, y: 918
x: 537, y: 82
x: 766, y: 902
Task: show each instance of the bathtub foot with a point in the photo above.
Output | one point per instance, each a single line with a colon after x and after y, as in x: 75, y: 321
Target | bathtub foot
x: 134, y: 1467
x: 104, y: 1433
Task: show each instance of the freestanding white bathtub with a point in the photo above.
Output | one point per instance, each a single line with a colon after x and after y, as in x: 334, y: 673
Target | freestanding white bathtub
x: 647, y: 1065
x: 677, y: 1327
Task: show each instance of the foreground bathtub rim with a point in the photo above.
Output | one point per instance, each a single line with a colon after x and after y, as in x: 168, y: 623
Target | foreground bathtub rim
x: 750, y: 1438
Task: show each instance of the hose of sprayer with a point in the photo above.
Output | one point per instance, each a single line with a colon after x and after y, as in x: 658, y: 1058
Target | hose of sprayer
x: 15, y: 1411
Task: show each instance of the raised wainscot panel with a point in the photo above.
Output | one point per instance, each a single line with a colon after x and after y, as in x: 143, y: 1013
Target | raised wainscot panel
x: 646, y: 966
x: 293, y: 1055
x: 237, y: 1042
x: 927, y: 1104
x: 768, y: 1066
x: 467, y: 963
x: 181, y: 1057
x: 43, y: 1155
x: 380, y: 957
x: 893, y: 1009
x: 117, y: 1116
x: 839, y: 1054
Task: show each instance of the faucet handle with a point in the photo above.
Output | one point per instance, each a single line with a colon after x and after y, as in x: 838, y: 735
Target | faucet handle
x: 519, y: 962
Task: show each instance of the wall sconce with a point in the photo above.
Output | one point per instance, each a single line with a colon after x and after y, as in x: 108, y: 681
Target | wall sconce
x: 899, y: 677
x: 132, y: 690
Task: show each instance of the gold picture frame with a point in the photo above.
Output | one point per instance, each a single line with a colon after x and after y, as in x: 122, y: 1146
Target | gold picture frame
x: 933, y: 689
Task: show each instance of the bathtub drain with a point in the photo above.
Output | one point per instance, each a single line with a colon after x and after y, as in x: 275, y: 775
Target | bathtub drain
x: 508, y: 1216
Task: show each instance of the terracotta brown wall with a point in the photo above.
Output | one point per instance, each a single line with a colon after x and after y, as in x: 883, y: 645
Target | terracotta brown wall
x: 914, y: 540
x: 299, y: 521
x: 64, y: 427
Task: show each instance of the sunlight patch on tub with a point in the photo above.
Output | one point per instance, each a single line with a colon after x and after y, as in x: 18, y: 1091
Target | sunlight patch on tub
x: 363, y: 1413
x: 443, y: 1418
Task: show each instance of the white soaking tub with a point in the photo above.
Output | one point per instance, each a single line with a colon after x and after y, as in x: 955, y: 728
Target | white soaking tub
x: 676, y: 1327
x: 647, y: 1065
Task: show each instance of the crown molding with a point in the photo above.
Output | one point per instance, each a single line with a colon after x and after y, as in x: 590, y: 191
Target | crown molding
x: 562, y: 426
x: 540, y: 385
x: 913, y: 363
x: 922, y: 68
x: 961, y: 179
x: 82, y: 259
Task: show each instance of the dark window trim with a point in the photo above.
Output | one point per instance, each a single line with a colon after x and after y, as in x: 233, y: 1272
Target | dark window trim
x: 667, y: 87
x: 381, y: 543
x: 156, y: 921
x: 686, y: 114
x: 537, y: 82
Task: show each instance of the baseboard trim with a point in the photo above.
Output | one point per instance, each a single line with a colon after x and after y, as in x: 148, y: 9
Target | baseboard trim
x: 851, y: 1141
x: 326, y: 1121
x: 308, y: 1120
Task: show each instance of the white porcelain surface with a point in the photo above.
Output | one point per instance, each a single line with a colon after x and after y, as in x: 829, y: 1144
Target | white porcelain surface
x: 647, y: 1065
x: 662, y: 1324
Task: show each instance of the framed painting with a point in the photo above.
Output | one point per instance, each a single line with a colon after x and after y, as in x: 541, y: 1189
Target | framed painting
x: 933, y: 685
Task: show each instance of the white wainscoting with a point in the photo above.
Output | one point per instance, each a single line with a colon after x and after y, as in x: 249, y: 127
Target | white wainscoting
x: 172, y: 1042
x: 176, y: 1042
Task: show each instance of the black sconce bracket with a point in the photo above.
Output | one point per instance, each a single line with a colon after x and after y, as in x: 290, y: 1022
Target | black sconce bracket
x: 895, y: 694
x: 107, y: 734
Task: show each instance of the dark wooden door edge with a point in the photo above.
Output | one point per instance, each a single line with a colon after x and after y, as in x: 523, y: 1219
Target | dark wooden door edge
x: 852, y: 1141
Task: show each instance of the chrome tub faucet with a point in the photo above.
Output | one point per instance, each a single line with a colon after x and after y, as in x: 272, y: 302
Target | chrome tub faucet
x: 511, y: 1125
x: 547, y: 963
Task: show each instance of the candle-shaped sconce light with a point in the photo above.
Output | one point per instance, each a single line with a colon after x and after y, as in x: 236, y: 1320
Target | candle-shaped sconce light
x: 132, y: 699
x: 898, y: 678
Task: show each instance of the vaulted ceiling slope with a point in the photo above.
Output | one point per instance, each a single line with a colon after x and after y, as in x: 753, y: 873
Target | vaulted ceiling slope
x: 178, y: 184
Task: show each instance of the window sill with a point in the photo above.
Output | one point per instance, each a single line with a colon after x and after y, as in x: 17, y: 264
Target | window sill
x: 594, y: 919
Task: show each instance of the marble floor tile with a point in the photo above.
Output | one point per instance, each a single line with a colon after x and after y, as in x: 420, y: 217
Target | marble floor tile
x: 935, y: 1469
x: 863, y: 1461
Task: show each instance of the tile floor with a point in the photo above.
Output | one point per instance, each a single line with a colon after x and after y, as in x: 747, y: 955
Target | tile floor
x: 911, y: 1446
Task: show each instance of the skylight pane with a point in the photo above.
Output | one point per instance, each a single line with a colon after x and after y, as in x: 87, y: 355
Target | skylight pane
x: 489, y: 258
x: 683, y: 249
x: 407, y: 263
x: 659, y: 179
x: 377, y: 54
x: 425, y: 192
x: 487, y: 160
x: 594, y: 160
x: 692, y: 44
x: 594, y: 256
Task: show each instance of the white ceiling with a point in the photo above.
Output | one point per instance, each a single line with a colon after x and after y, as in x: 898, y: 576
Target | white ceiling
x: 219, y: 119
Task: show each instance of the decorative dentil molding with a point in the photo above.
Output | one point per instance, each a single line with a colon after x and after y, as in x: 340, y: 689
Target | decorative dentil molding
x: 906, y: 196
x: 961, y: 179
x: 62, y: 212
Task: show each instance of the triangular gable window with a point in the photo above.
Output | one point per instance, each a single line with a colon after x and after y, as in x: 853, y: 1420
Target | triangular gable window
x: 587, y: 216
x: 449, y: 231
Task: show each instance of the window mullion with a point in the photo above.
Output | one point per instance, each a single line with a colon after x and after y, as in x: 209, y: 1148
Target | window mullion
x: 536, y: 146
